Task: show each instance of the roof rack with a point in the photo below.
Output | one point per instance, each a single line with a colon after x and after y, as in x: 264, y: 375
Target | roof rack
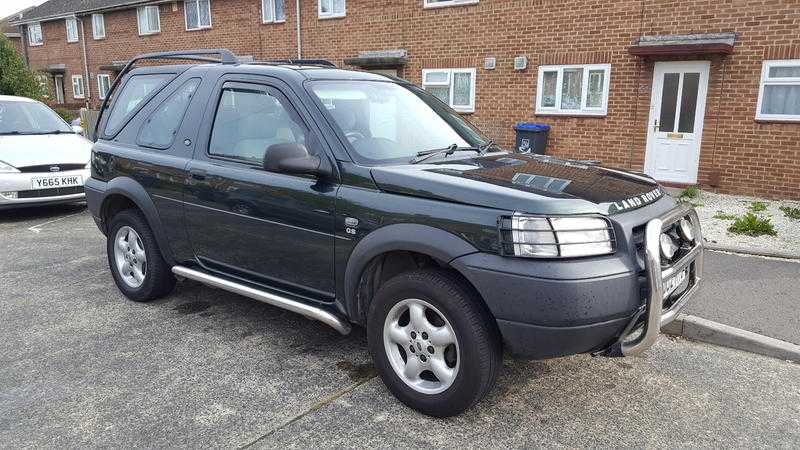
x: 303, y: 62
x: 225, y: 57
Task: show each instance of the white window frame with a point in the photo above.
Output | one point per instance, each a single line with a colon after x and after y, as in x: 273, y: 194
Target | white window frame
x: 143, y: 10
x: 584, y: 110
x: 74, y: 22
x: 77, y: 81
x: 100, y: 91
x: 450, y: 79
x: 785, y: 81
x: 31, y: 34
x: 331, y: 15
x: 446, y: 3
x: 97, y: 36
x: 274, y: 11
x: 186, y: 16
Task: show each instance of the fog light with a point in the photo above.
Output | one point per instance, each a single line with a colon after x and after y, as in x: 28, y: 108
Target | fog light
x: 686, y: 230
x: 11, y: 194
x: 668, y: 246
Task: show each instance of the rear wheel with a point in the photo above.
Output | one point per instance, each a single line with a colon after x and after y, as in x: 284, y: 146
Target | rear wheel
x: 139, y: 270
x: 433, y: 342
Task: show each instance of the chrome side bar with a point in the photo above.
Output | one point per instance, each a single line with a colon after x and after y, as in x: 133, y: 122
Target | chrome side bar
x: 656, y: 317
x: 312, y: 312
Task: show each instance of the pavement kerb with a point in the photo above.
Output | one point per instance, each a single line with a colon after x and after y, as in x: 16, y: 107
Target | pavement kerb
x: 704, y: 330
x: 749, y: 251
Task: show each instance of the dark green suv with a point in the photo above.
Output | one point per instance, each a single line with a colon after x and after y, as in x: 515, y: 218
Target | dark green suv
x: 355, y: 198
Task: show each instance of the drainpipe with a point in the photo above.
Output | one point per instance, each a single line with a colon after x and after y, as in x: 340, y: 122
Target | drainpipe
x: 299, y: 40
x: 87, y: 86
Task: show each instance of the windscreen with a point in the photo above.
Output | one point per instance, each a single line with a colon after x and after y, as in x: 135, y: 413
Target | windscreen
x: 387, y: 122
x: 30, y: 118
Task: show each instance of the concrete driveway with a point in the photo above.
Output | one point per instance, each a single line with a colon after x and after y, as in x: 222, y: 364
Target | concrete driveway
x: 82, y: 367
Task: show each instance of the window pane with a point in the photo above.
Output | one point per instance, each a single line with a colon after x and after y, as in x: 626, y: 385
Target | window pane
x: 160, y: 128
x: 152, y: 18
x: 462, y: 89
x: 138, y: 88
x: 325, y: 6
x: 436, y: 77
x: 784, y: 72
x: 191, y: 14
x: 338, y: 6
x: 440, y: 92
x: 205, y: 13
x: 781, y: 100
x: 691, y: 83
x: 98, y: 25
x: 142, y: 16
x: 594, y: 99
x: 280, y: 10
x: 549, y: 80
x: 669, y: 102
x: 267, y: 10
x: 249, y: 122
x: 571, y: 89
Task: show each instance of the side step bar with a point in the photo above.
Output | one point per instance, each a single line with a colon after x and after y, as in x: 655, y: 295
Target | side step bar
x: 312, y: 312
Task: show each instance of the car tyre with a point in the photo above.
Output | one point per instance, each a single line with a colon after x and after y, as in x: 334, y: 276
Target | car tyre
x: 139, y: 270
x: 452, y: 311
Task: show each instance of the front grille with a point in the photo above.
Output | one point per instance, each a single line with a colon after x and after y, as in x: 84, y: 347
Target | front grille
x: 47, y: 168
x: 36, y: 193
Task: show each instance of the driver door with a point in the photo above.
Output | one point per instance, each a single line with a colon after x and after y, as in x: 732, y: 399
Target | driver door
x: 272, y: 228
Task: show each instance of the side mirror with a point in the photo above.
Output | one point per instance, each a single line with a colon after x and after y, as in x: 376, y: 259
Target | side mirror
x: 77, y: 129
x: 292, y: 158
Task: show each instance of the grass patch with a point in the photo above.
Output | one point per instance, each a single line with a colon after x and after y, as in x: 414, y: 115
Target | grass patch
x: 722, y: 215
x: 790, y: 212
x: 752, y: 225
x: 758, y: 206
x: 690, y: 192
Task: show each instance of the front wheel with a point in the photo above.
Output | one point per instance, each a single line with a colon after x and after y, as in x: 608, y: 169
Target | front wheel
x: 433, y: 342
x: 135, y: 260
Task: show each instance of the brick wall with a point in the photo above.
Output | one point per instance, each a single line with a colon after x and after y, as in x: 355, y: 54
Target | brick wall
x: 56, y: 50
x: 749, y: 157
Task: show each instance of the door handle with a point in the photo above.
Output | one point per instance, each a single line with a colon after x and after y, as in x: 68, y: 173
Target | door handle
x: 198, y: 174
x: 655, y: 125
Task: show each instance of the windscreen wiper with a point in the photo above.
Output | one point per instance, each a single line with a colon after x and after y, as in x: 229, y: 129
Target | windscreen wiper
x: 447, y: 151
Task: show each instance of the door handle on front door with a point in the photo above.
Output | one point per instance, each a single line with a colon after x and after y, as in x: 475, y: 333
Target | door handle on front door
x: 655, y: 125
x: 198, y: 174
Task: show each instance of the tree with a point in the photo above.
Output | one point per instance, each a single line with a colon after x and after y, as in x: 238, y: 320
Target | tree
x: 15, y: 77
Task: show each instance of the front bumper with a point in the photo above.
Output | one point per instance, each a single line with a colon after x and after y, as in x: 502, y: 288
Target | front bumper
x: 21, y: 185
x: 604, y: 305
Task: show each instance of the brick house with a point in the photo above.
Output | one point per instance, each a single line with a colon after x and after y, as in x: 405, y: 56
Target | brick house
x: 692, y: 92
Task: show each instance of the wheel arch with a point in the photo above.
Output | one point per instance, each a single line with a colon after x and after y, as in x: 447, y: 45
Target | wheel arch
x: 123, y: 193
x: 402, y: 247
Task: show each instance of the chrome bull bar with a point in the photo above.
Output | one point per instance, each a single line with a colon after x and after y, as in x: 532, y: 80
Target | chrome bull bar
x: 656, y: 316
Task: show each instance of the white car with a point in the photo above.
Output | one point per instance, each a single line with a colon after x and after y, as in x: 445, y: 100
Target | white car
x: 42, y: 159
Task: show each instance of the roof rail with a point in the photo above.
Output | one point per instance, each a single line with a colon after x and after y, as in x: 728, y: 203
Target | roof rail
x: 225, y: 57
x: 304, y: 62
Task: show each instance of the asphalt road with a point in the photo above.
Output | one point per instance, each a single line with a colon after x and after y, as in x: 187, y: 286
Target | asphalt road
x: 82, y: 367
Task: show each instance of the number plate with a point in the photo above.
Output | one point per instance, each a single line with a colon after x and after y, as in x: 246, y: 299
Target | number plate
x: 671, y: 284
x: 57, y: 182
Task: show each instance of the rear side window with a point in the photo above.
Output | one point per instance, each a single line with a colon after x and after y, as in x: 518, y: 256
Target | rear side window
x: 249, y: 121
x: 160, y: 128
x: 136, y: 90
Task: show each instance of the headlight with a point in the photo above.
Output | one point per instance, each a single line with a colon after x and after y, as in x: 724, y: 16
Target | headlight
x: 6, y: 168
x: 557, y: 237
x: 686, y: 230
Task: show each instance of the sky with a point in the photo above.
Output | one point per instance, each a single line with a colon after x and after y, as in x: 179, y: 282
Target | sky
x: 8, y: 7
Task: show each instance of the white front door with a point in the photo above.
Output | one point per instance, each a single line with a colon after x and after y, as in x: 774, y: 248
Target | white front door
x: 59, y: 79
x: 677, y: 110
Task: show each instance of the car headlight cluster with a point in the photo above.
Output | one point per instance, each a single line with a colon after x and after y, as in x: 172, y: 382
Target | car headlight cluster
x: 7, y: 168
x: 556, y: 237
